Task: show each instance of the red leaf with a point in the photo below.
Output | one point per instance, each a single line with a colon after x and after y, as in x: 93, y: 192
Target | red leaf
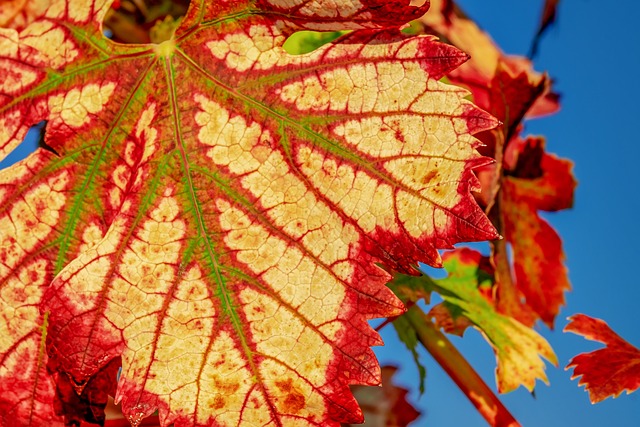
x: 537, y: 182
x: 86, y: 402
x: 608, y: 371
x: 486, y: 63
x: 385, y: 406
x: 216, y: 209
x: 510, y: 95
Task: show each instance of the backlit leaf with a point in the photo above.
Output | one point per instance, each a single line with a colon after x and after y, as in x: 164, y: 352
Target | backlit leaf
x: 213, y: 208
x: 487, y: 61
x: 537, y: 182
x: 511, y: 90
x: 518, y: 348
x: 608, y: 371
x: 385, y: 406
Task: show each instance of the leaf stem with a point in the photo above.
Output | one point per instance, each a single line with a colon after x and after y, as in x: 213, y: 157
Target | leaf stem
x: 507, y: 295
x: 460, y: 371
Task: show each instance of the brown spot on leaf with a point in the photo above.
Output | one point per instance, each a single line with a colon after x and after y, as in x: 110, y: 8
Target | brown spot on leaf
x: 430, y: 176
x: 295, y: 401
x: 226, y: 387
x: 218, y: 402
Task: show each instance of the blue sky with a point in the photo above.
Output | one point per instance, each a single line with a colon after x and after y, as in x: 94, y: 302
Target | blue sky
x: 593, y: 54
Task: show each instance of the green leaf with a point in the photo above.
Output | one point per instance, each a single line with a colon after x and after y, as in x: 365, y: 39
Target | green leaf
x: 518, y: 348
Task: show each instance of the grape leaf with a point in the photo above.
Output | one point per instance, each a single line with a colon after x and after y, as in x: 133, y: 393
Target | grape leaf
x: 518, y: 348
x: 538, y: 181
x: 487, y: 61
x: 385, y: 406
x: 511, y: 90
x: 213, y: 209
x: 608, y: 371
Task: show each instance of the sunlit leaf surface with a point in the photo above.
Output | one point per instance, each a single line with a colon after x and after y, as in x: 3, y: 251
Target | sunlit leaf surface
x: 610, y: 370
x: 212, y: 209
x: 537, y: 182
x: 531, y: 284
x: 519, y: 349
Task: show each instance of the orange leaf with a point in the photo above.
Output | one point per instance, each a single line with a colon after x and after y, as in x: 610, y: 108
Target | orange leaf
x: 609, y: 371
x: 538, y: 181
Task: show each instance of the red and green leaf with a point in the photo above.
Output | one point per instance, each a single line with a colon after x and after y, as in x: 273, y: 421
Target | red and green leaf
x: 610, y: 370
x: 518, y: 348
x: 212, y: 209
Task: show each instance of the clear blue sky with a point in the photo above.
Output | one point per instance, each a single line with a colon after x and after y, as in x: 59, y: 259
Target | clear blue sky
x: 594, y: 55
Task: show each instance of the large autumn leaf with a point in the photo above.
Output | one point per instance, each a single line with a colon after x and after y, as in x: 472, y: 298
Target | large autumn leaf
x: 384, y: 406
x: 607, y: 371
x: 213, y: 209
